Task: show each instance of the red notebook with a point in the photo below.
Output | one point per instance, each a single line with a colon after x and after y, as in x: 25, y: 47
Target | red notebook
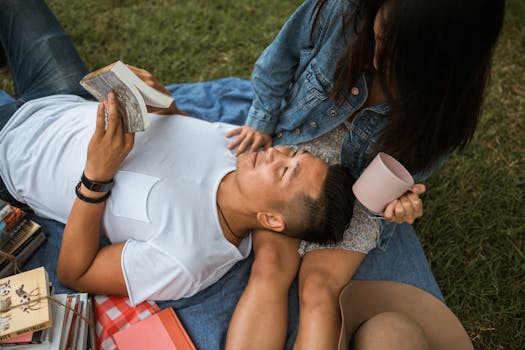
x: 162, y: 330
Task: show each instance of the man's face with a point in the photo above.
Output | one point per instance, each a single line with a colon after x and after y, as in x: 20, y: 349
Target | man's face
x: 276, y: 175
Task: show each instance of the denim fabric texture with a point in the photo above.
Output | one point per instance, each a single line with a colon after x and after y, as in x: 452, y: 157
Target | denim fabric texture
x: 51, y: 65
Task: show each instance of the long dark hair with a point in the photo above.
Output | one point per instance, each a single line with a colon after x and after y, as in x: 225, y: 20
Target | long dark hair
x: 433, y: 64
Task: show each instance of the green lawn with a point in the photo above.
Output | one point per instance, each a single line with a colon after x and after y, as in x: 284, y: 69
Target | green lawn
x: 473, y: 230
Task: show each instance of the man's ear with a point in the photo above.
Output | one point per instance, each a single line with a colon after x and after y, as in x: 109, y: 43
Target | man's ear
x: 271, y: 221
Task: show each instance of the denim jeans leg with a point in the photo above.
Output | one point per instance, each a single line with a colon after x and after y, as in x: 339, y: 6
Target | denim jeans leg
x: 404, y: 261
x: 41, y: 55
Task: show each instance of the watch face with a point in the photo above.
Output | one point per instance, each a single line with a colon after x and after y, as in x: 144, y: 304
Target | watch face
x: 98, y: 187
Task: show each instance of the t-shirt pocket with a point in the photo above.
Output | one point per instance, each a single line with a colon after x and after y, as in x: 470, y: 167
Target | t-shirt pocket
x: 129, y: 197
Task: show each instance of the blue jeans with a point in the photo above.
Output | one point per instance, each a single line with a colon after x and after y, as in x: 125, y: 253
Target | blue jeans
x: 44, y: 62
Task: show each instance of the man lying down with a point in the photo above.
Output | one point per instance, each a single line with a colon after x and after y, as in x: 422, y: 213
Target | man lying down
x: 177, y: 206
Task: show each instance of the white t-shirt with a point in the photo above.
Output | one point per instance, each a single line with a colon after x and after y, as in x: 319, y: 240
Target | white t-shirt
x: 163, y: 203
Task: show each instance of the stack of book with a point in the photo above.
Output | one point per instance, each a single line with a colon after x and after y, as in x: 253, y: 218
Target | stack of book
x: 30, y: 320
x: 19, y: 237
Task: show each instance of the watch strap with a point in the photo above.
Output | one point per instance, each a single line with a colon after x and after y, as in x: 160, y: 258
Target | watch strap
x: 96, y: 186
x: 89, y: 199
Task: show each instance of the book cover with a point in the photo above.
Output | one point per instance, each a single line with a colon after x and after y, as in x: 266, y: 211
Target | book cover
x: 162, y: 330
x: 91, y: 326
x: 4, y: 209
x: 82, y: 337
x: 10, y: 219
x: 26, y: 339
x: 75, y: 324
x: 131, y: 92
x: 67, y: 329
x: 23, y: 253
x: 53, y: 343
x: 24, y: 306
x: 24, y: 233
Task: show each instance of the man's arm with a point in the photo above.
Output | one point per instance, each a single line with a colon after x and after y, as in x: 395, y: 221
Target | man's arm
x: 82, y: 264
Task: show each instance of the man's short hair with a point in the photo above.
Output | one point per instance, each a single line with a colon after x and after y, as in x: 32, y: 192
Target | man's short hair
x: 323, y: 220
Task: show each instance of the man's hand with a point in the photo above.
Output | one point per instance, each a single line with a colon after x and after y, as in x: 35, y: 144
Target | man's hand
x: 406, y: 208
x: 150, y: 80
x: 248, y: 137
x: 109, y: 145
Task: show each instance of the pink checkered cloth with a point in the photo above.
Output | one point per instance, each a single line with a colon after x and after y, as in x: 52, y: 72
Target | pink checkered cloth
x: 114, y: 313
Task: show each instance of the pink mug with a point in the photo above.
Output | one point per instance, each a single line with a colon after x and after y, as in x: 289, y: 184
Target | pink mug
x: 383, y: 180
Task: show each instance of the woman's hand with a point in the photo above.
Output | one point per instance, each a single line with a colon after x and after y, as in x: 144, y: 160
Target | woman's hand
x: 109, y: 145
x: 150, y: 80
x: 248, y: 137
x: 406, y: 208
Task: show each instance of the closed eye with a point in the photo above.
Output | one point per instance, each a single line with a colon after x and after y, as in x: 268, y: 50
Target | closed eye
x: 284, y: 171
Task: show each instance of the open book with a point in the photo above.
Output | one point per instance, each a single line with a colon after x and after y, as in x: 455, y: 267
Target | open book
x: 132, y: 94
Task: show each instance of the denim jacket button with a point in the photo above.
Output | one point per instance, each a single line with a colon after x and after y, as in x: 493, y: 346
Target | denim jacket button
x: 355, y: 91
x: 333, y: 112
x: 313, y: 124
x: 297, y: 131
x: 280, y: 134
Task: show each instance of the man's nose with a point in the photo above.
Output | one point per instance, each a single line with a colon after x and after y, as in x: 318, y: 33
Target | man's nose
x: 274, y: 154
x: 270, y: 154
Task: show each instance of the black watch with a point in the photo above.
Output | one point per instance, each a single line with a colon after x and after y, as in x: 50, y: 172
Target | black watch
x: 96, y: 186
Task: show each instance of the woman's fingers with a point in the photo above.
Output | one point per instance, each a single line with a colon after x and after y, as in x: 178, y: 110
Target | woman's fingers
x: 234, y: 132
x: 245, y: 144
x: 418, y: 189
x: 236, y: 142
x: 406, y: 213
x: 407, y: 208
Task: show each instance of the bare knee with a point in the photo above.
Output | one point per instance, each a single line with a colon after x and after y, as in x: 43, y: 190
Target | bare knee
x: 390, y: 330
x: 318, y: 291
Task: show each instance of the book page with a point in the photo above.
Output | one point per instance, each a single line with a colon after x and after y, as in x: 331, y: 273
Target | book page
x: 152, y: 97
x: 131, y: 106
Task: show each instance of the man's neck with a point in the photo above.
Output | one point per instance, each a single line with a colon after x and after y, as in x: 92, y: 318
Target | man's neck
x: 235, y: 222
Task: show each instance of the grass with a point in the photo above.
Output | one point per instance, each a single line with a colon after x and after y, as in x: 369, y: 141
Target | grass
x: 473, y: 231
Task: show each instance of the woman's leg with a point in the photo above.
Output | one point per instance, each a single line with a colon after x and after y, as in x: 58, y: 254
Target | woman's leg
x: 323, y: 274
x: 41, y: 55
x: 260, y: 319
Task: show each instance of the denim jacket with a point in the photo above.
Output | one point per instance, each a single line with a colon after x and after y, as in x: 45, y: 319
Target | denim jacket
x: 292, y: 81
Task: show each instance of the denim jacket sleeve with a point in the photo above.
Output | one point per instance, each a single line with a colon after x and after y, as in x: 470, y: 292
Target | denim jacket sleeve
x: 282, y: 62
